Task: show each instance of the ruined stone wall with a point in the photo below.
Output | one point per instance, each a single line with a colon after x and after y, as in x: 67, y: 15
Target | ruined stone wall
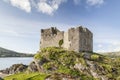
x: 75, y: 39
x: 50, y: 37
x: 78, y: 39
x: 66, y: 41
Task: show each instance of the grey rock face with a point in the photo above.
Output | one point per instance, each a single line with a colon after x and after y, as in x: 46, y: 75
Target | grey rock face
x: 16, y: 68
x: 32, y: 67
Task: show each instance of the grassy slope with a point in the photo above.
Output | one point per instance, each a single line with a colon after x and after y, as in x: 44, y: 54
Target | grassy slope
x: 57, y: 60
x: 26, y: 76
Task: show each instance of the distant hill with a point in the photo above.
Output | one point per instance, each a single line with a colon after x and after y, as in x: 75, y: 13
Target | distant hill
x: 112, y: 54
x: 9, y: 53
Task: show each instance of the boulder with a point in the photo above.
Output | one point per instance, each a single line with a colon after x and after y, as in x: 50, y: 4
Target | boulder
x: 16, y: 68
x: 32, y: 67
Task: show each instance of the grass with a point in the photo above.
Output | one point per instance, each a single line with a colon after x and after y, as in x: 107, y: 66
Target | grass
x: 27, y: 76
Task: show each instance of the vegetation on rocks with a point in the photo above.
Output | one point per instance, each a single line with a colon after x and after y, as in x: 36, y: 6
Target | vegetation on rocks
x: 55, y: 63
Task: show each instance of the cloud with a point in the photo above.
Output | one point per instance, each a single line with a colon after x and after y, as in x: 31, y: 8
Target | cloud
x: 49, y: 7
x: 89, y: 2
x: 22, y: 4
x: 44, y: 6
x: 95, y: 2
x: 108, y: 46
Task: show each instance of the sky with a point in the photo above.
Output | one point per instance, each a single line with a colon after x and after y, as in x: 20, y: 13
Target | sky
x: 21, y: 21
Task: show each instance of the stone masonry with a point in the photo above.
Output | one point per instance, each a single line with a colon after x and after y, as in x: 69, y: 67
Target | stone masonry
x: 75, y: 39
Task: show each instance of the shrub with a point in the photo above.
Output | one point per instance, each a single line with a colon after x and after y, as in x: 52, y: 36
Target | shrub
x: 107, y: 67
x: 61, y: 42
x: 37, y: 56
x: 95, y: 57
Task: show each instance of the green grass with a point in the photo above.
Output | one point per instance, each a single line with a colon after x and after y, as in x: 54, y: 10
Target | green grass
x: 27, y: 76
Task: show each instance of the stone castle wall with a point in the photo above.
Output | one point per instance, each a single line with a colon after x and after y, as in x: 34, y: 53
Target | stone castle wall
x: 85, y: 40
x: 50, y: 37
x: 75, y: 39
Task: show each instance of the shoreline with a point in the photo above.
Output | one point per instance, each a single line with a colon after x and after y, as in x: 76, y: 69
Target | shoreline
x: 2, y: 75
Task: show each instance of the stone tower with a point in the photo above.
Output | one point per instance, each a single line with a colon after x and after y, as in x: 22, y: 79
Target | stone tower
x: 75, y: 39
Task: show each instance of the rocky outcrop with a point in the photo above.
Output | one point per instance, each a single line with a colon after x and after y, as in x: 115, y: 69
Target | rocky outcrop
x: 32, y: 67
x: 16, y: 68
x: 55, y: 63
x: 89, y: 65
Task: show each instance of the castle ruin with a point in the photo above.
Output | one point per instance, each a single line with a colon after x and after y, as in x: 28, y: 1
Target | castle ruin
x: 75, y: 39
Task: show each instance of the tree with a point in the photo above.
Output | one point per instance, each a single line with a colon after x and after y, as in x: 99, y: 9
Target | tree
x: 60, y: 42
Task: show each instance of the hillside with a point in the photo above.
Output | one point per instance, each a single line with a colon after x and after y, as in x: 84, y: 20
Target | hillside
x: 9, y: 53
x: 55, y: 63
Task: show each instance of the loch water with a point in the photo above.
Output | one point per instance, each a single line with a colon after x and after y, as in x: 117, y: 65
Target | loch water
x: 9, y: 61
